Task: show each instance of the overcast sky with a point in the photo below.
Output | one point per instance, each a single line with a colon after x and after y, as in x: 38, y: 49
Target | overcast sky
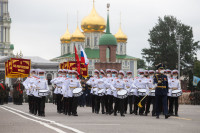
x: 38, y: 24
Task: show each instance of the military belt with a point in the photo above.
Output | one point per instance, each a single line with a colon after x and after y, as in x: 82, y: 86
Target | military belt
x: 72, y: 87
x: 118, y: 89
x: 161, y: 87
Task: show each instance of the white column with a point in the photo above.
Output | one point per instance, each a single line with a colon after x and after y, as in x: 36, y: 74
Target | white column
x: 135, y: 68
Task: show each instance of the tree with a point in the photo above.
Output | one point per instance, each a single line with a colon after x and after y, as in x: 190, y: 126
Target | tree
x: 197, y: 68
x: 197, y: 71
x: 163, y: 46
x: 141, y: 64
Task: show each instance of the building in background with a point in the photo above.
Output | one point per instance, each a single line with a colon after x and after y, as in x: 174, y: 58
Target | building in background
x: 93, y: 27
x: 6, y: 49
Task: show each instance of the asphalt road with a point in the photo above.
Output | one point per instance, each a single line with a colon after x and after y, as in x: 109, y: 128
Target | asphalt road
x: 15, y: 118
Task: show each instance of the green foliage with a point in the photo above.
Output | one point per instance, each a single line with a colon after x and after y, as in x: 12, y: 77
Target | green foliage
x: 164, y: 48
x: 197, y: 68
x: 141, y: 64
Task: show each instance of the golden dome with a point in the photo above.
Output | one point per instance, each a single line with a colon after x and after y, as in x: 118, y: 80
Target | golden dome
x: 78, y: 36
x: 66, y: 38
x: 93, y: 22
x: 120, y: 36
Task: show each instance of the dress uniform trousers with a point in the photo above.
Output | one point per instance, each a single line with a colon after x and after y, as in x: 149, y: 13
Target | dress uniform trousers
x: 31, y: 103
x: 100, y: 100
x: 161, y: 100
x: 150, y: 100
x: 59, y: 102
x: 37, y: 102
x: 173, y: 101
x: 128, y: 101
x: 93, y: 98
x: 141, y: 110
x: 119, y: 105
x: 74, y: 105
x: 42, y: 106
x: 136, y: 101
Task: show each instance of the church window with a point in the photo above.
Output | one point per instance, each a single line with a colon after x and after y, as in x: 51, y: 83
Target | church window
x: 88, y: 41
x: 63, y: 49
x: 95, y: 41
x: 121, y: 48
x: 68, y: 49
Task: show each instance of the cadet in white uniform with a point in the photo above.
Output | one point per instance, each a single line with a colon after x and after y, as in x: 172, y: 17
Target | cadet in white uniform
x: 65, y: 99
x: 100, y: 98
x: 93, y: 83
x: 29, y: 86
x: 74, y: 83
x: 140, y: 83
x: 41, y: 84
x: 129, y: 85
x: 108, y: 96
x: 174, y: 84
x: 118, y: 85
x: 151, y: 98
x: 58, y: 82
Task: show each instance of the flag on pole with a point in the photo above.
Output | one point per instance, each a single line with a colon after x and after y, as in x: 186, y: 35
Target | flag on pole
x: 84, y: 58
x: 195, y: 80
x: 77, y: 59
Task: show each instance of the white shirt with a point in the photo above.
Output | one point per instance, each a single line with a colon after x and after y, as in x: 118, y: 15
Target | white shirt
x: 69, y: 85
x: 58, y: 82
x: 173, y: 83
x: 140, y: 83
x: 118, y: 83
x: 29, y: 85
x: 93, y: 82
x: 41, y: 84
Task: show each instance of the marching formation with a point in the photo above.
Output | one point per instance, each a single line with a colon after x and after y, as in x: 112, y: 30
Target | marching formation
x: 111, y: 92
x: 114, y: 91
x: 67, y: 90
x: 37, y: 89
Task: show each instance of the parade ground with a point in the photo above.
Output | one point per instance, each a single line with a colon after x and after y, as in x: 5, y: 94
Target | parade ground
x: 17, y: 119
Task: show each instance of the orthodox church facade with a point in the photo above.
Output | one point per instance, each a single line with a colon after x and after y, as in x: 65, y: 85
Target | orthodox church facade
x: 93, y: 27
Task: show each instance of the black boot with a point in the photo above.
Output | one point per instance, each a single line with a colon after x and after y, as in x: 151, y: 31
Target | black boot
x: 166, y: 116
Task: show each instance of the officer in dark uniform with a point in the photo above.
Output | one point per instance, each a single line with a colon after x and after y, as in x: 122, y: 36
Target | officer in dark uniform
x: 18, y: 92
x: 2, y: 92
x: 161, y: 82
x: 7, y: 90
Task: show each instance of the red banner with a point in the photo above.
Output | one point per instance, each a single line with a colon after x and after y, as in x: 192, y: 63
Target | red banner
x: 21, y: 66
x: 72, y: 65
x: 16, y: 68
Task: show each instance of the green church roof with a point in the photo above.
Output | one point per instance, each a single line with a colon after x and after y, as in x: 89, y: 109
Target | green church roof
x: 11, y: 46
x: 94, y: 54
x: 107, y: 38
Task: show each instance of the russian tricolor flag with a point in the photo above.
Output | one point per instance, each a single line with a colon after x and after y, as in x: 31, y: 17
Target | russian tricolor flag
x: 84, y: 58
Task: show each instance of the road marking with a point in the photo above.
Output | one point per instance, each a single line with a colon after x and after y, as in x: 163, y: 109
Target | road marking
x: 91, y: 124
x: 41, y: 123
x: 50, y: 121
x: 182, y: 118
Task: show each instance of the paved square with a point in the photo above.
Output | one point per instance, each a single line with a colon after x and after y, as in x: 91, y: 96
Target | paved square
x: 188, y: 122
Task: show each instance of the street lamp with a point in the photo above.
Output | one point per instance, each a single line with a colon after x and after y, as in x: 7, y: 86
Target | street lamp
x: 178, y: 41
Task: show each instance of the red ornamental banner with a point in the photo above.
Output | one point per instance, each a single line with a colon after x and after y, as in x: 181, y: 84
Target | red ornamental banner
x: 21, y: 66
x: 16, y: 68
x: 61, y: 65
x: 72, y: 65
